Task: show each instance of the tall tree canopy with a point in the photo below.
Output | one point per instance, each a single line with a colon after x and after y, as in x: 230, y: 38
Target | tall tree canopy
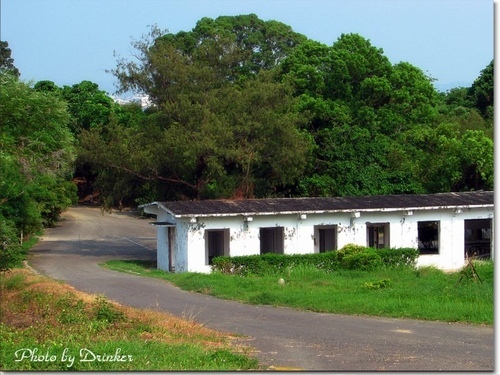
x: 361, y: 106
x: 6, y: 60
x: 482, y: 91
x: 88, y: 106
x: 223, y: 124
x: 244, y: 107
x: 213, y: 53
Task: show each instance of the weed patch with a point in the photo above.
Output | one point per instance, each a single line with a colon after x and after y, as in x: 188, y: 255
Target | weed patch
x: 105, y: 311
x: 384, y: 283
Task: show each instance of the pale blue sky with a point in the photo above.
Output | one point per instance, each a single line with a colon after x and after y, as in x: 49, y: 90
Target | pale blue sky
x: 68, y: 41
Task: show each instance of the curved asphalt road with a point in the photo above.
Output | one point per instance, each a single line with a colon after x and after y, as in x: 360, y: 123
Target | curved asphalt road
x: 283, y: 338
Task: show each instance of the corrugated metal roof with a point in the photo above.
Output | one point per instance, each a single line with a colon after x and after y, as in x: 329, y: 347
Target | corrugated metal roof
x: 328, y: 204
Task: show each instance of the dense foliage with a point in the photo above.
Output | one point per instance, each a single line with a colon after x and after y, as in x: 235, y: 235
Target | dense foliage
x: 247, y: 108
x: 36, y: 163
x: 241, y: 108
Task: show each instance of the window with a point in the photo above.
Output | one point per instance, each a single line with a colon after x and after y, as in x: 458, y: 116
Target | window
x: 216, y: 244
x: 325, y: 238
x: 477, y: 236
x: 428, y: 237
x: 271, y: 240
x: 377, y: 235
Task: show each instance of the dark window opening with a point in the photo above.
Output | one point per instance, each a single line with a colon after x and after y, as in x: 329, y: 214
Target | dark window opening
x: 326, y: 237
x: 428, y: 237
x: 477, y: 233
x: 271, y: 240
x: 216, y: 244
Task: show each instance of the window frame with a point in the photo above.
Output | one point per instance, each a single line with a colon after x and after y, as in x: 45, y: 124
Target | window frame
x: 370, y: 234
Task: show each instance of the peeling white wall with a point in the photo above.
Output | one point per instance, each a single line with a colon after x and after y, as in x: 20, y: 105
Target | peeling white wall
x: 299, y: 234
x: 181, y: 247
x: 451, y: 236
x: 162, y: 246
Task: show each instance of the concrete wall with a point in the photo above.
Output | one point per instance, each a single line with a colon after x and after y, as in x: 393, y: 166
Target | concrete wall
x: 300, y: 235
x: 451, y: 237
x: 162, y: 246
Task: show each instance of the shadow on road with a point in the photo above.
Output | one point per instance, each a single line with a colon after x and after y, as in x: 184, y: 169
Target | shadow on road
x: 122, y: 249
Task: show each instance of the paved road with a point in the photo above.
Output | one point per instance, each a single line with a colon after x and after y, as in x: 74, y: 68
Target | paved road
x: 283, y: 338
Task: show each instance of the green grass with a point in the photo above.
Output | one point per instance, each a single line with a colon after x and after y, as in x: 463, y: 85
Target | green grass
x: 44, y: 324
x: 425, y: 293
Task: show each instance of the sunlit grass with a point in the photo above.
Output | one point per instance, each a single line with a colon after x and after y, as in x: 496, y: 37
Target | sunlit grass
x: 50, y: 322
x: 425, y: 293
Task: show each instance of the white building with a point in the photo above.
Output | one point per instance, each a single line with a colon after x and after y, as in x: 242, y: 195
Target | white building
x: 144, y: 101
x: 444, y: 227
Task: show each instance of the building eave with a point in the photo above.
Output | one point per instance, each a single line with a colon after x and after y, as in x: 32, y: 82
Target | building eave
x: 163, y: 224
x: 152, y: 208
x: 351, y: 210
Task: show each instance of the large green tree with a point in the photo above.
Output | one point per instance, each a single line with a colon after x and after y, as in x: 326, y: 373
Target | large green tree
x: 360, y: 107
x: 88, y: 105
x: 222, y: 124
x: 92, y: 108
x: 213, y: 53
x: 237, y: 141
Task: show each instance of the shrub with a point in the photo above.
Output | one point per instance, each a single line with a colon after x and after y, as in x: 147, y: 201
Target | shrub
x: 350, y: 257
x: 272, y: 263
x: 277, y: 261
x: 105, y: 311
x: 365, y: 260
x: 398, y: 257
x: 325, y: 261
x: 223, y: 264
x: 10, y: 250
x: 393, y: 257
x: 349, y: 249
x: 241, y: 265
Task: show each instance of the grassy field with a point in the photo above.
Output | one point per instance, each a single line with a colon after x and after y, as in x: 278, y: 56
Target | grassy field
x: 425, y: 293
x: 49, y: 326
